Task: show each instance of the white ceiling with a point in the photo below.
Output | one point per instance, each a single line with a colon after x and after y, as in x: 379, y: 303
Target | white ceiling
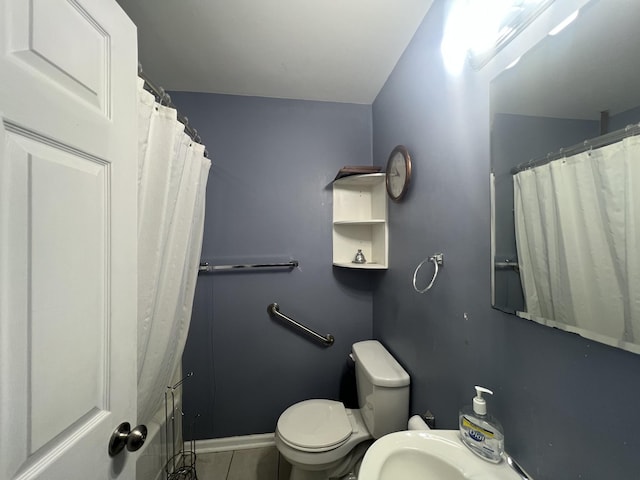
x: 329, y: 50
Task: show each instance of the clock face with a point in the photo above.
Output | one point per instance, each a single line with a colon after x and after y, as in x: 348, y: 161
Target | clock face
x: 398, y: 172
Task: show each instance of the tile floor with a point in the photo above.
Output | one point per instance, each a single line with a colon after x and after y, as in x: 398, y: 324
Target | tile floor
x: 250, y: 464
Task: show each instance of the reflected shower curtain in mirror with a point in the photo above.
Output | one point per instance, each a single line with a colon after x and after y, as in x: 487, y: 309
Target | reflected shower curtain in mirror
x: 578, y: 240
x: 172, y: 179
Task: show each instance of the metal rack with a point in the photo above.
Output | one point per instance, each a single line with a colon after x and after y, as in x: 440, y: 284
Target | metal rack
x: 326, y: 340
x: 180, y: 465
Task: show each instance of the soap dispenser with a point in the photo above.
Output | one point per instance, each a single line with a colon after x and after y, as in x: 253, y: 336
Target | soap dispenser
x: 480, y: 431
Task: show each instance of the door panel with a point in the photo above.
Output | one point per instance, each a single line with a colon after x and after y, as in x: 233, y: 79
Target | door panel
x: 67, y: 237
x: 64, y: 237
x: 55, y: 52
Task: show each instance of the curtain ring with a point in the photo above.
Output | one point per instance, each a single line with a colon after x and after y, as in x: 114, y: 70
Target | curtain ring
x: 437, y: 259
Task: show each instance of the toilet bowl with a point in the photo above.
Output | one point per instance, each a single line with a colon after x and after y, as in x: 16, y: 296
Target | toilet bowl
x: 322, y: 439
x: 320, y: 435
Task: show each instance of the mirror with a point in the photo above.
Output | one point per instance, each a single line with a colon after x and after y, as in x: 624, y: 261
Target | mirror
x: 576, y: 85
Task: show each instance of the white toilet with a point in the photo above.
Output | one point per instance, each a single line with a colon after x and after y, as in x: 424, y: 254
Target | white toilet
x: 322, y: 439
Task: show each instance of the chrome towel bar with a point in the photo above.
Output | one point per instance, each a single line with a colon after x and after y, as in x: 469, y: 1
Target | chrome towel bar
x: 274, y: 310
x: 507, y: 265
x: 206, y: 268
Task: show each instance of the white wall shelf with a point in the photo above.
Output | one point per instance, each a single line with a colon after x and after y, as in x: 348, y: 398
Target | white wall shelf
x: 360, y: 221
x: 373, y: 221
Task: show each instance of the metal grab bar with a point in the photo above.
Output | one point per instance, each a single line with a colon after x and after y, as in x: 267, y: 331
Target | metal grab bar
x: 206, y: 268
x: 274, y: 309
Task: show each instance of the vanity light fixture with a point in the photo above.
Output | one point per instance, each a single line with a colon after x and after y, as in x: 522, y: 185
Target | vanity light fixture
x: 514, y: 63
x: 515, y: 19
x: 476, y: 33
x: 564, y: 24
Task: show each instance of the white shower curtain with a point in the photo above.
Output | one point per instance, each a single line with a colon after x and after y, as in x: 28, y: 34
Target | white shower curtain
x: 578, y: 239
x: 172, y: 179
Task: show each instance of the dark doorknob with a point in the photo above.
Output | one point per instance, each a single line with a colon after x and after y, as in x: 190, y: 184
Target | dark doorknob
x: 123, y: 436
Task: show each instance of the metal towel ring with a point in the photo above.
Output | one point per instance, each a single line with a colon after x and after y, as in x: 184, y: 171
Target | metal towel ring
x: 437, y: 259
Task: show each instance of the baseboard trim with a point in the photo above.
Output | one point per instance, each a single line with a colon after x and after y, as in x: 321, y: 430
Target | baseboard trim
x: 226, y: 444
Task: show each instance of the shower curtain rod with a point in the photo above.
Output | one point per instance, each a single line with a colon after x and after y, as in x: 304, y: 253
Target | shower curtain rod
x: 596, y: 142
x: 165, y: 99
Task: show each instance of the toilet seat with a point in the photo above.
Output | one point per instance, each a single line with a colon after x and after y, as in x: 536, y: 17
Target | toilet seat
x: 314, y: 425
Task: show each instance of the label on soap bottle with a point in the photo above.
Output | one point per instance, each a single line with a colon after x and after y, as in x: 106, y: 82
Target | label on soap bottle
x: 476, y: 432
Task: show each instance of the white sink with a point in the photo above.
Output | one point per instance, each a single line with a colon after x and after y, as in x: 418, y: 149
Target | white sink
x: 428, y: 455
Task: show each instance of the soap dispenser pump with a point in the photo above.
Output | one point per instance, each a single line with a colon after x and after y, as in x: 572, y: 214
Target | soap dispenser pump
x: 480, y: 431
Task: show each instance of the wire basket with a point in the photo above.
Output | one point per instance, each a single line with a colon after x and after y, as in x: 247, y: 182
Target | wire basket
x: 182, y: 466
x: 179, y: 465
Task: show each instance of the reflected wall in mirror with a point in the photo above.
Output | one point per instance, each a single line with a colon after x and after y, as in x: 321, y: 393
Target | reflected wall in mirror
x: 574, y: 261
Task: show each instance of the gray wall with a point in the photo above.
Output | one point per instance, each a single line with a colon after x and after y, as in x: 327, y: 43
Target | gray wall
x: 568, y: 405
x: 269, y: 199
x: 625, y: 118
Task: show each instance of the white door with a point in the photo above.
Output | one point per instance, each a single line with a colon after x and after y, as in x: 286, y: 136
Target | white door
x: 67, y: 237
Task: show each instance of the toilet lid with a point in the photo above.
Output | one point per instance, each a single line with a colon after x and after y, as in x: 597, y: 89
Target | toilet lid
x: 315, y: 424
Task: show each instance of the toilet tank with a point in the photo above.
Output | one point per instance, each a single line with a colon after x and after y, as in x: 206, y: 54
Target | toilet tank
x: 383, y: 388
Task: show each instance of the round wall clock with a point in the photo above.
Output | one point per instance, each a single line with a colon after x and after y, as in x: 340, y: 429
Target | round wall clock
x: 398, y: 173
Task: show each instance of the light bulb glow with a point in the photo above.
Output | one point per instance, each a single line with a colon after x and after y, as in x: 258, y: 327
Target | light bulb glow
x: 480, y: 27
x: 455, y: 41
